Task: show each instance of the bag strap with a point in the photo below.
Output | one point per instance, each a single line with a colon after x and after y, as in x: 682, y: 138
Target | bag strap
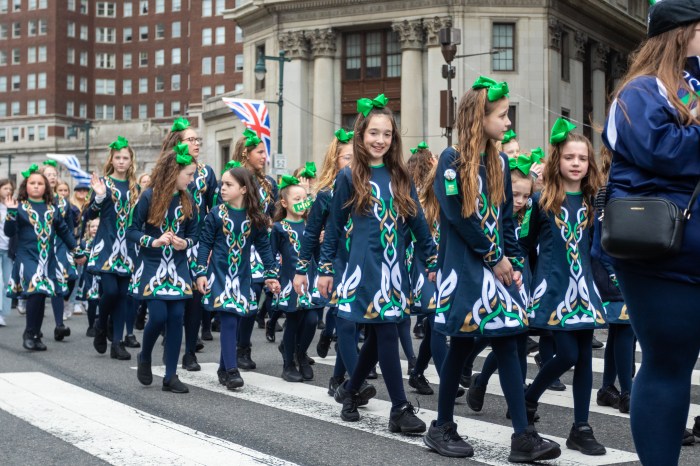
x: 692, y: 200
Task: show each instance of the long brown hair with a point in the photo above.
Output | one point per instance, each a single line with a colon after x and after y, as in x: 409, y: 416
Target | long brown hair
x: 280, y: 211
x: 393, y: 159
x: 420, y: 165
x: 48, y: 195
x: 473, y: 107
x: 172, y: 139
x: 429, y: 201
x: 244, y: 178
x: 553, y: 194
x: 241, y: 153
x: 164, y: 184
x: 329, y: 170
x: 130, y: 174
x: 663, y: 56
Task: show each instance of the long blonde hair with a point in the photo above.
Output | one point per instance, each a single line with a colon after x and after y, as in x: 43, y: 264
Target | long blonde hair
x: 130, y: 174
x: 329, y: 170
x: 429, y: 201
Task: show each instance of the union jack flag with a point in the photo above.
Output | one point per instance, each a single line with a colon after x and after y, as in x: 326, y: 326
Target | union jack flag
x: 253, y: 113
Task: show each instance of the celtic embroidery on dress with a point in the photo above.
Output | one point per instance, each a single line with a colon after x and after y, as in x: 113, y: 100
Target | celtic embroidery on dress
x: 166, y: 281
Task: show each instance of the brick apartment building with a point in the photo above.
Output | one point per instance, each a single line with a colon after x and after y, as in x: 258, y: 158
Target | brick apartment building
x: 124, y: 67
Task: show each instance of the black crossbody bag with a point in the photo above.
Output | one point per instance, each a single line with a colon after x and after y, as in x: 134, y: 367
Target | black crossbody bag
x: 644, y: 227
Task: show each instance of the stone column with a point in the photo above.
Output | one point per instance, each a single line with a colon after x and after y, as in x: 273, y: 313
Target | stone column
x: 323, y: 49
x: 411, y: 38
x: 434, y: 83
x: 599, y: 62
x: 579, y: 55
x: 553, y: 101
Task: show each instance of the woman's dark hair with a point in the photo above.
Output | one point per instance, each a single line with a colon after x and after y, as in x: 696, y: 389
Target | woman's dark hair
x: 244, y: 178
x: 48, y: 193
x: 164, y: 184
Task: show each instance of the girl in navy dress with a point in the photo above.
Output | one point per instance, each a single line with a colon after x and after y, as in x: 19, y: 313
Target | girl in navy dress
x: 89, y: 286
x: 379, y: 198
x: 114, y: 196
x: 477, y: 287
x: 563, y: 297
x: 164, y: 225
x: 36, y: 221
x: 203, y: 189
x: 228, y: 233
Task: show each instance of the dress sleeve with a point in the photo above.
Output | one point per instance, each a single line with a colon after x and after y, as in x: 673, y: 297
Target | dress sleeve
x: 530, y: 229
x: 310, y: 241
x: 63, y: 230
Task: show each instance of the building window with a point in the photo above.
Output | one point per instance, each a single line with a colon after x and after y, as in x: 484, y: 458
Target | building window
x: 71, y: 5
x: 83, y: 84
x: 177, y: 5
x: 126, y: 86
x: 143, y: 7
x: 126, y: 112
x: 206, y: 92
x: 71, y: 29
x: 16, y: 29
x: 175, y: 82
x: 220, y: 65
x: 160, y: 57
x: 15, y: 134
x: 3, y: 131
x: 3, y: 83
x: 206, y: 65
x: 239, y: 62
x: 82, y: 111
x: 143, y: 33
x: 174, y: 108
x: 106, y: 35
x: 143, y: 85
x: 83, y: 58
x: 31, y: 81
x: 372, y: 55
x: 42, y: 80
x: 43, y: 27
x: 42, y: 132
x: 70, y: 108
x: 175, y: 58
x: 41, y: 106
x: 143, y: 59
x: 31, y: 5
x: 220, y: 89
x: 503, y: 39
x: 16, y: 5
x: 16, y: 56
x: 70, y: 55
x: 31, y: 29
x: 160, y: 110
x: 220, y: 6
x: 83, y: 33
x: 83, y: 7
x: 206, y: 36
x: 31, y: 107
x: 31, y: 55
x: 128, y: 34
x: 106, y: 9
x: 3, y: 58
x: 42, y: 54
x: 3, y: 31
x: 220, y: 36
x: 126, y: 60
x: 104, y: 112
x: 239, y: 34
x: 176, y: 29
x: 206, y: 7
x: 513, y: 117
x: 3, y: 6
x: 160, y: 84
x: 3, y: 113
x: 16, y: 109
x: 160, y: 6
x: 565, y: 54
x: 30, y: 132
x: 160, y: 31
x: 43, y: 4
x: 104, y: 87
x: 143, y: 111
x: 128, y: 9
x: 70, y: 82
x: 16, y: 82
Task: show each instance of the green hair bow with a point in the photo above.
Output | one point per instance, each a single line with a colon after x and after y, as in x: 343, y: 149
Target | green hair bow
x: 119, y: 144
x: 288, y: 180
x: 251, y: 138
x: 496, y: 90
x: 230, y: 165
x: 182, y: 154
x: 33, y: 168
x: 309, y: 170
x: 522, y: 162
x: 421, y: 146
x: 537, y: 155
x: 509, y: 136
x: 181, y: 124
x: 51, y: 162
x: 365, y: 105
x: 344, y: 136
x: 561, y: 129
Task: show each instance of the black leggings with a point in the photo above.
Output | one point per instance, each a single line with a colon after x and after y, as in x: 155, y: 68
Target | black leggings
x: 193, y: 319
x: 113, y: 302
x: 35, y: 314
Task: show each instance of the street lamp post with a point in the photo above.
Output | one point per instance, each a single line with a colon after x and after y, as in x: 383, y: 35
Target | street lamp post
x: 260, y: 72
x: 86, y: 126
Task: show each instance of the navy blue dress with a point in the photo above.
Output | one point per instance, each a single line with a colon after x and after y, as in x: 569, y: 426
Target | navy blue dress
x: 203, y: 189
x: 285, y: 239
x: 161, y: 272
x: 64, y: 259
x: 89, y: 289
x: 374, y: 286
x: 228, y: 235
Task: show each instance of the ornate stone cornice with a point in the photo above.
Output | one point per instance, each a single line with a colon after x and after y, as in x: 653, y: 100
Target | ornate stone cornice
x: 555, y: 31
x: 432, y: 27
x: 580, y: 42
x: 600, y: 56
x: 619, y: 67
x: 296, y: 44
x: 411, y: 34
x: 323, y: 42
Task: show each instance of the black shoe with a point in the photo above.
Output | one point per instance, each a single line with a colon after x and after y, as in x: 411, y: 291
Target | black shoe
x: 538, y: 360
x: 696, y: 427
x: 582, y: 439
x: 446, y: 441
x: 321, y: 325
x: 333, y: 384
x: 100, y: 341
x: 324, y: 344
x: 130, y: 341
x: 465, y: 380
x: 60, y: 332
x: 420, y: 383
x: 199, y: 346
x: 28, y: 341
x: 244, y: 360
x: 39, y: 345
x: 174, y: 385
x: 624, y: 406
x: 373, y: 374
x: 291, y: 374
x: 529, y: 446
x: 305, y: 369
x: 476, y: 395
x: 608, y: 396
x: 596, y: 344
x: 419, y: 331
x: 309, y: 359
x: 143, y: 371
x: 269, y: 331
x: 403, y: 419
x: 119, y: 352
x: 557, y: 386
x: 350, y: 401
x: 90, y: 332
x: 366, y: 393
x: 140, y: 322
x: 260, y: 319
x: 216, y: 325
x: 189, y: 362
x: 688, y: 438
x: 207, y: 336
x: 532, y: 346
x: 234, y: 379
x: 223, y: 375
x: 411, y: 365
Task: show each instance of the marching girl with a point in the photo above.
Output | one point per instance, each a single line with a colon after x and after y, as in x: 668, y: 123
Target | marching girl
x: 143, y: 181
x: 510, y: 145
x: 164, y: 225
x: 89, y: 286
x: 69, y: 302
x: 564, y: 298
x: 301, y: 313
x: 379, y: 198
x: 36, y: 220
x: 477, y: 287
x: 114, y: 196
x: 203, y: 189
x: 228, y: 233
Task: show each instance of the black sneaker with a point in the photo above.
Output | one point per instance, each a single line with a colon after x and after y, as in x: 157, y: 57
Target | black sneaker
x: 270, y: 331
x: 143, y: 371
x: 373, y: 374
x: 223, y: 375
x: 475, y: 395
x: 349, y: 401
x: 119, y: 352
x: 582, y: 439
x: 324, y: 344
x: 688, y: 438
x: 130, y: 341
x: 403, y: 419
x: 199, y: 346
x: 28, y: 341
x: 90, y: 332
x: 596, y: 344
x: 366, y: 393
x: 207, y: 336
x: 529, y: 446
x: 38, y: 344
x: 100, y: 341
x: 291, y: 374
x: 189, y: 362
x: 532, y: 346
x: 174, y: 385
x: 624, y: 406
x: 305, y: 368
x: 244, y: 360
x: 309, y: 359
x: 60, y: 332
x: 234, y: 379
x: 419, y: 330
x: 420, y: 383
x: 557, y: 386
x: 333, y: 384
x: 411, y: 365
x: 446, y: 441
x: 696, y: 427
x: 608, y: 396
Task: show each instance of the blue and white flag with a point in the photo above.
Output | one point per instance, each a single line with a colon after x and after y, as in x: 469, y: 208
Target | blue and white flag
x: 73, y: 165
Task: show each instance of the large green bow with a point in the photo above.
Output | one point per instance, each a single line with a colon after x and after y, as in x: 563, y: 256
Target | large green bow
x: 309, y: 170
x: 365, y: 105
x: 421, y: 146
x: 562, y: 127
x: 288, y: 180
x: 51, y: 163
x: 537, y: 155
x: 119, y: 144
x: 182, y: 152
x: 33, y: 168
x: 251, y: 138
x: 509, y: 136
x: 496, y: 90
x: 181, y: 124
x: 522, y: 162
x: 230, y: 165
x: 344, y: 136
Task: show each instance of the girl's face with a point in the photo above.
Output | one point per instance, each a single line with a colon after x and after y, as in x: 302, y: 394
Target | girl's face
x: 36, y: 186
x: 257, y: 158
x: 63, y: 190
x: 573, y: 165
x: 5, y: 191
x: 189, y: 137
x: 80, y: 194
x: 121, y: 160
x: 694, y: 43
x: 185, y: 177
x: 521, y: 193
x: 231, y: 190
x: 294, y: 195
x: 345, y: 156
x: 145, y: 181
x: 511, y: 148
x: 51, y: 174
x: 377, y: 137
x: 497, y: 123
x: 93, y: 227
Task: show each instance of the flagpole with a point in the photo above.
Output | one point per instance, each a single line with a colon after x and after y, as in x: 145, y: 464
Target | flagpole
x: 260, y: 75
